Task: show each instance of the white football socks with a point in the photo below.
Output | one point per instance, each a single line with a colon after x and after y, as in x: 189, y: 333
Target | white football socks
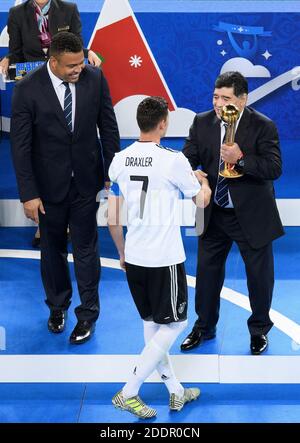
x: 154, y: 356
x: 164, y: 367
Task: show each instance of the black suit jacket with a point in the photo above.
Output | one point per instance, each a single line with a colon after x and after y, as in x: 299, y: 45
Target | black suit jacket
x: 24, y: 42
x: 45, y: 152
x: 253, y: 194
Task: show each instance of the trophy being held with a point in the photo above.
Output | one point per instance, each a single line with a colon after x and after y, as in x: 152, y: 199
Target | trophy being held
x: 230, y: 115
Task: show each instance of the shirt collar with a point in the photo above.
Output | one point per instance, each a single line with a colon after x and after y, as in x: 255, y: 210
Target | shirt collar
x: 55, y: 80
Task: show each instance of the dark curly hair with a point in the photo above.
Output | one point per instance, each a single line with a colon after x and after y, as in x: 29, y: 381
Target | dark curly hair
x: 150, y: 112
x: 65, y: 42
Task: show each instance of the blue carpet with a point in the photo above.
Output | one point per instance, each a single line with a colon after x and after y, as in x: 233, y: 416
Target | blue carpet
x: 91, y: 403
x: 24, y: 314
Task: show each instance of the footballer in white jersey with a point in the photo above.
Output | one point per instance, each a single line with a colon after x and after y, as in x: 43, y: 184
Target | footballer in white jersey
x: 151, y: 179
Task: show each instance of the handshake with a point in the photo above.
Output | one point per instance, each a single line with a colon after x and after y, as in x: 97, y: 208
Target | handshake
x: 204, y: 196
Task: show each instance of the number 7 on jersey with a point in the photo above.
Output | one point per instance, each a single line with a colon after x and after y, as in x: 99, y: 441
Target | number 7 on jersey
x: 145, y: 180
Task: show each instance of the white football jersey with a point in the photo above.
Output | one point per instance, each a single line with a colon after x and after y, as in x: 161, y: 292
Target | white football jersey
x: 150, y: 178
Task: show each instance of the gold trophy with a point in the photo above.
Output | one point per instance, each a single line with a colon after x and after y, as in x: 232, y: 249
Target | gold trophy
x: 230, y: 115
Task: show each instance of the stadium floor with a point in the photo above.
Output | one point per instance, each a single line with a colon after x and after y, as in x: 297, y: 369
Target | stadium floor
x: 57, y: 399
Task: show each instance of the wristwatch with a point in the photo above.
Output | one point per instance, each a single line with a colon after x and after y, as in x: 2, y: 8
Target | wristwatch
x: 240, y: 164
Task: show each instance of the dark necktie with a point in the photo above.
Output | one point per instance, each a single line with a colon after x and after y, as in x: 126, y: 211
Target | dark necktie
x: 222, y: 184
x: 68, y: 105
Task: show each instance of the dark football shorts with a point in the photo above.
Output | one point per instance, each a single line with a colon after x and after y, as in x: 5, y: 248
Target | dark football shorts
x: 160, y: 294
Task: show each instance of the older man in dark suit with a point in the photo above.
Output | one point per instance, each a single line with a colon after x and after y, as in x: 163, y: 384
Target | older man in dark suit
x: 60, y: 167
x: 243, y: 210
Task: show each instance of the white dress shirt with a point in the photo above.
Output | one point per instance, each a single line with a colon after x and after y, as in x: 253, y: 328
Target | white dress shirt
x: 60, y: 90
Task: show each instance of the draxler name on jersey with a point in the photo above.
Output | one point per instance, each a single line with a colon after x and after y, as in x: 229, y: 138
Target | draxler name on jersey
x: 138, y: 161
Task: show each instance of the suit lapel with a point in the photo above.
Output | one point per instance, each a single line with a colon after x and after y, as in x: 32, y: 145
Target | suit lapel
x: 216, y: 133
x: 53, y: 18
x: 32, y: 26
x: 242, y: 130
x: 52, y: 98
x: 80, y: 92
x: 215, y: 138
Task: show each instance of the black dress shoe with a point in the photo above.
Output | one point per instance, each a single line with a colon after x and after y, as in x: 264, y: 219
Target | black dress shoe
x: 194, y: 339
x: 57, y: 321
x: 82, y: 332
x: 259, y: 344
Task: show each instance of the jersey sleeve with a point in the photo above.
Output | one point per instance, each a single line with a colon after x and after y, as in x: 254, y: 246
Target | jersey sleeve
x: 113, y: 170
x: 182, y: 176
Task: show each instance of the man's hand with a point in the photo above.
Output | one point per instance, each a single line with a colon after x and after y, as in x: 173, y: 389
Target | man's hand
x: 231, y: 154
x: 94, y: 59
x: 202, y: 199
x: 4, y: 64
x: 200, y: 175
x: 32, y: 208
x: 206, y: 194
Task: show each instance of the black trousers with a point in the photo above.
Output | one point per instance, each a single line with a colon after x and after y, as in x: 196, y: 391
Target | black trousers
x: 213, y: 249
x: 80, y: 215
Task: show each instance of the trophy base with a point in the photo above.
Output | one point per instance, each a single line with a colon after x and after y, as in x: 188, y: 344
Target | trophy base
x: 230, y: 173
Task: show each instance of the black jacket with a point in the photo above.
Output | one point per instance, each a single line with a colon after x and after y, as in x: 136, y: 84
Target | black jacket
x: 45, y: 152
x: 253, y: 194
x: 24, y: 42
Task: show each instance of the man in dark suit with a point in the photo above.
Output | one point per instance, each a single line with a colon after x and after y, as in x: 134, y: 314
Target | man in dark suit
x: 60, y: 167
x: 242, y: 210
x: 31, y: 26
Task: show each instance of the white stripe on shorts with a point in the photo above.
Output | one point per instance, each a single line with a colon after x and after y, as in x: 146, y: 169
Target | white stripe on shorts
x: 174, y: 289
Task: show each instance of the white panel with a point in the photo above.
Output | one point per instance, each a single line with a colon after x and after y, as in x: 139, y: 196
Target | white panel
x: 289, y: 210
x: 5, y: 124
x: 259, y: 369
x: 98, y: 368
x: 116, y: 368
x: 11, y: 213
